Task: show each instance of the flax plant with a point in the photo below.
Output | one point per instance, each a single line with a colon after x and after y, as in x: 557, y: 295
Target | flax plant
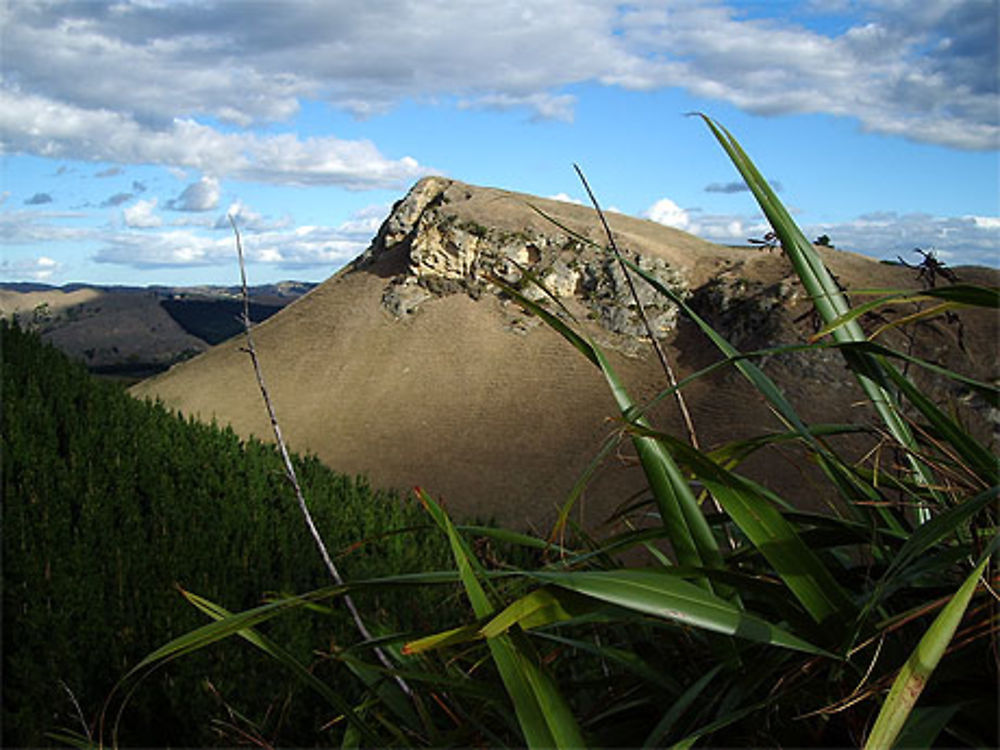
x: 810, y: 630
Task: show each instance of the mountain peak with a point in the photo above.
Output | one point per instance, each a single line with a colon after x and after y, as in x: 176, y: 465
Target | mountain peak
x: 411, y: 367
x: 446, y: 237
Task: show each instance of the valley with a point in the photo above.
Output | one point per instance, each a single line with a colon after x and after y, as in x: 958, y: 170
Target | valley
x: 133, y: 332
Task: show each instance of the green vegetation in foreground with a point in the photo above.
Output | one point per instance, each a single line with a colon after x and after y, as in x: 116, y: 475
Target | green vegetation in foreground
x: 871, y: 627
x: 109, y: 504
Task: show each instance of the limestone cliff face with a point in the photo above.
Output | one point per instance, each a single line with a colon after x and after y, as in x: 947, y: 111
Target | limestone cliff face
x: 448, y: 251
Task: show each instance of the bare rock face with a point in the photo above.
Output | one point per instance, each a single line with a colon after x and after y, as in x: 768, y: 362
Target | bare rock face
x: 447, y: 251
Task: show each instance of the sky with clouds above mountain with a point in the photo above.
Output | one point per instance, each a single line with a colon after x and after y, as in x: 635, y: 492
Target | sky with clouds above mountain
x: 131, y: 129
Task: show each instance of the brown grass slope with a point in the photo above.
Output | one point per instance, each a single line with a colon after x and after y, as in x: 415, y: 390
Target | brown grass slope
x: 463, y: 396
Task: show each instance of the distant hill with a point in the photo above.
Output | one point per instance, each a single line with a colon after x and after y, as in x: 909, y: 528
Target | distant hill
x: 136, y: 331
x: 409, y: 366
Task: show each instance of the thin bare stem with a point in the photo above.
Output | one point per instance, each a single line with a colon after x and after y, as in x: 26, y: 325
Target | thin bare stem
x: 79, y: 711
x: 661, y: 355
x: 290, y: 474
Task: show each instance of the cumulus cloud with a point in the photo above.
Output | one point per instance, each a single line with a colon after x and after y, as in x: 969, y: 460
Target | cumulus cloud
x: 38, y: 199
x: 566, y: 198
x: 202, y: 195
x: 152, y: 74
x: 301, y: 247
x: 726, y: 229
x: 958, y: 239
x: 30, y: 227
x: 140, y: 215
x: 248, y: 220
x: 545, y: 106
x: 55, y: 129
x: 668, y: 213
x: 269, y: 242
x: 923, y: 72
x: 365, y: 223
x: 41, y: 268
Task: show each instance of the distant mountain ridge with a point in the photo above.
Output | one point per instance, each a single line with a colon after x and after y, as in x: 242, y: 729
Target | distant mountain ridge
x: 137, y: 331
x: 412, y: 367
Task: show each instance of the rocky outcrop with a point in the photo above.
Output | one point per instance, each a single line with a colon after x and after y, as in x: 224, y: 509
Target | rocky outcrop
x: 411, y: 368
x: 447, y: 251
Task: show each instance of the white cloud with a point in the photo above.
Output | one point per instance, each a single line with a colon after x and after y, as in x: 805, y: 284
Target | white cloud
x: 566, y: 198
x: 963, y: 239
x: 134, y: 82
x: 41, y: 268
x: 986, y: 222
x: 668, y: 213
x: 924, y: 71
x: 364, y: 224
x: 270, y: 242
x: 54, y: 129
x: 28, y: 227
x: 301, y: 247
x: 202, y: 195
x: 176, y: 247
x: 248, y: 220
x: 960, y: 240
x: 546, y: 106
x: 141, y: 215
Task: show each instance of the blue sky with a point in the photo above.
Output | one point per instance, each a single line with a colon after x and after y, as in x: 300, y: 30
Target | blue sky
x: 130, y: 129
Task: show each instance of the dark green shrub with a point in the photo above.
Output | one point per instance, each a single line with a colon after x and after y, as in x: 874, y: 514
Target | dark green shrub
x: 110, y: 503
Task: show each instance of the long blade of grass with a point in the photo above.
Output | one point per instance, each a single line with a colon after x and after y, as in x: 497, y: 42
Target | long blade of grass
x: 452, y: 637
x: 943, y: 525
x: 753, y: 512
x: 539, y: 608
x: 691, y: 537
x: 730, y: 717
x: 542, y: 712
x: 241, y: 623
x: 833, y: 466
x: 514, y: 537
x: 219, y: 630
x: 829, y: 300
x: 924, y: 725
x: 679, y: 706
x: 913, y: 676
x: 661, y: 355
x: 283, y: 657
x: 989, y: 392
x: 977, y: 457
x: 666, y: 596
x: 576, y: 492
x: 955, y: 295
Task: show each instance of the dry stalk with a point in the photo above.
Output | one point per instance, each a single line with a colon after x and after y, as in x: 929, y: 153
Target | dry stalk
x: 661, y: 355
x: 290, y: 469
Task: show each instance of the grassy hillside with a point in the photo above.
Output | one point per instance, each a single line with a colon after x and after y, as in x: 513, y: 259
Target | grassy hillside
x: 454, y: 394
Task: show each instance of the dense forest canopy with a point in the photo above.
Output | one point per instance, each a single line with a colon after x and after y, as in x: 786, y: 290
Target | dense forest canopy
x: 111, y: 503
